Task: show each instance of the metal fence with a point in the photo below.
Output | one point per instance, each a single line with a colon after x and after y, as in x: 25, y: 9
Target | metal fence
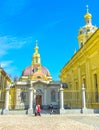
x: 2, y: 98
x: 73, y: 99
x: 92, y: 99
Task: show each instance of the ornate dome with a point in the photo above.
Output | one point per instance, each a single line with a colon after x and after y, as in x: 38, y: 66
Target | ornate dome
x: 33, y: 70
x: 87, y: 30
x: 88, y: 16
x: 36, y: 71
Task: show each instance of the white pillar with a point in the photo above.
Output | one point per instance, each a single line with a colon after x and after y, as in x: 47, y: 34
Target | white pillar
x: 30, y: 110
x: 34, y: 97
x: 45, y: 96
x: 18, y: 98
x: 31, y: 98
x: 83, y: 97
x: 61, y: 98
x: 7, y: 99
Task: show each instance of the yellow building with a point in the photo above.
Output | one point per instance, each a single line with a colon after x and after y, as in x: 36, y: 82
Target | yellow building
x: 83, y: 68
x: 5, y: 81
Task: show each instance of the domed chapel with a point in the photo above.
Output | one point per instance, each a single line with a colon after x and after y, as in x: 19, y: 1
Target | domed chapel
x: 36, y: 85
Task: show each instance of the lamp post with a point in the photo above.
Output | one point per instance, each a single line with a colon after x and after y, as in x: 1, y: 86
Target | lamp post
x: 7, y: 100
x: 30, y: 110
x: 6, y: 110
x: 61, y: 97
x: 83, y: 97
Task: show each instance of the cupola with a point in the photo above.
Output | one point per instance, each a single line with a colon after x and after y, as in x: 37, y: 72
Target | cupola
x: 87, y: 30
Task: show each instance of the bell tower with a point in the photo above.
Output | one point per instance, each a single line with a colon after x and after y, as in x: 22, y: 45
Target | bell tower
x: 87, y: 30
x: 36, y: 60
x: 88, y: 17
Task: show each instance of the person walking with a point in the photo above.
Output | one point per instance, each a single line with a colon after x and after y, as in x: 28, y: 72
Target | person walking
x: 38, y: 110
x: 51, y: 108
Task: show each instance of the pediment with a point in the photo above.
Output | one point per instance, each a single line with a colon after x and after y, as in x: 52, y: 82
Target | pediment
x: 40, y: 82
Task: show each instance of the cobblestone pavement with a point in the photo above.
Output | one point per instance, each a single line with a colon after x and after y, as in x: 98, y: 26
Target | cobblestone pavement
x: 49, y: 122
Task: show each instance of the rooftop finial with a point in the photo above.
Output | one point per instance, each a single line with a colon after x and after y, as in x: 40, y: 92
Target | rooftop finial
x: 0, y: 66
x: 75, y: 51
x: 36, y: 42
x: 87, y: 9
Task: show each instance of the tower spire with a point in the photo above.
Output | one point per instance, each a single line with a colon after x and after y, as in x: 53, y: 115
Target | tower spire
x: 36, y: 48
x: 87, y: 15
x: 0, y: 65
x: 87, y: 9
x: 36, y: 56
x: 87, y: 30
x: 36, y: 42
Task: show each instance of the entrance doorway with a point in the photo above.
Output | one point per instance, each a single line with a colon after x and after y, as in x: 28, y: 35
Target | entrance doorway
x: 39, y: 100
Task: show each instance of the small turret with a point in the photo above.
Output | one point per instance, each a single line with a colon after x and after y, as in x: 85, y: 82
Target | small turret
x: 87, y: 30
x: 88, y: 17
x: 36, y: 60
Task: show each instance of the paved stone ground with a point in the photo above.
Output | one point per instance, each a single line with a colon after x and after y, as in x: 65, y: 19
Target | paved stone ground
x: 49, y: 122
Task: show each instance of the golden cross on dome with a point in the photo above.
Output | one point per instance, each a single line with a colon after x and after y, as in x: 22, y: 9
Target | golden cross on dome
x: 36, y: 42
x: 87, y: 8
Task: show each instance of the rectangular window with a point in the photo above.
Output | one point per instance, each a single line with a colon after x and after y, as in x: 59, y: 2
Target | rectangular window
x: 36, y: 60
x: 96, y: 87
x: 84, y: 81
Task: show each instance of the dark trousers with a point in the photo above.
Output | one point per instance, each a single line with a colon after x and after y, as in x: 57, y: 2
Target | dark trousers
x: 38, y: 113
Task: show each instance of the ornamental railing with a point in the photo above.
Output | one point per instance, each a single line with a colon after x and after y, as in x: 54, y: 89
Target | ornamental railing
x: 73, y: 99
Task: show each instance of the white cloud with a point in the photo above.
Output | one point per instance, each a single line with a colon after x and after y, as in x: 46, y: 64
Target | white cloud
x: 9, y: 68
x: 8, y: 42
x: 5, y: 64
x: 13, y: 7
x: 11, y: 71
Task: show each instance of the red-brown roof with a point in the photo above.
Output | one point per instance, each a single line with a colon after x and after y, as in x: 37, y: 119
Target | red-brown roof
x: 30, y: 70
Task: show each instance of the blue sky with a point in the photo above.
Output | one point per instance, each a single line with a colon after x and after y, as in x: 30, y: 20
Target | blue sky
x: 53, y: 23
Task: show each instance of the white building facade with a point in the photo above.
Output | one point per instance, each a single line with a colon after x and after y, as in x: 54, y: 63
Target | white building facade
x: 36, y: 86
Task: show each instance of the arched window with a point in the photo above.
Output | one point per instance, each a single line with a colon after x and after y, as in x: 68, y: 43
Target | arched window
x: 96, y: 87
x: 23, y: 96
x: 36, y: 59
x: 81, y: 44
x: 53, y: 96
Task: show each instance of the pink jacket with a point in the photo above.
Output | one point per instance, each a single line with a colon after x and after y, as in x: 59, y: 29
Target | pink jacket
x: 38, y: 109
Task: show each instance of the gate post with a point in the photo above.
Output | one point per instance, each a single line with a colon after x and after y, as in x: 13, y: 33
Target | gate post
x: 83, y: 97
x: 30, y: 110
x: 61, y: 100
x: 84, y: 109
x: 6, y: 110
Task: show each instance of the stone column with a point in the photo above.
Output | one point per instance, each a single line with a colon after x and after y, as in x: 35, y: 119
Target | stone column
x: 31, y: 98
x: 61, y: 98
x: 6, y: 110
x: 34, y: 99
x: 18, y: 97
x: 83, y: 97
x: 30, y: 110
x: 7, y: 99
x: 84, y: 110
x: 45, y: 96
